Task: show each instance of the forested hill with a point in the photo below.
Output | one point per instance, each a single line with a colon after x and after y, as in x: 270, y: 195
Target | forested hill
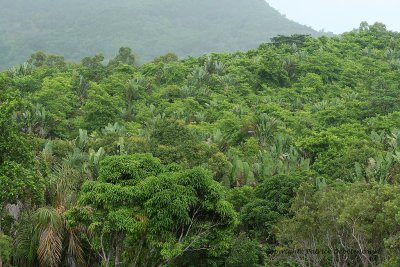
x: 285, y: 155
x: 76, y: 28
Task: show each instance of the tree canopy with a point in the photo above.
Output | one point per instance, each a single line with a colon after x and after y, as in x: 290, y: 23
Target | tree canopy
x: 285, y: 155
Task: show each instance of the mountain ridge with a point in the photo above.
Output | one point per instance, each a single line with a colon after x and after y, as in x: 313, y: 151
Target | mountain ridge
x: 151, y: 28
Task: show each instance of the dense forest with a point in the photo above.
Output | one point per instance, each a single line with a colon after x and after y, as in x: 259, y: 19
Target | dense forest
x: 76, y: 28
x: 285, y: 155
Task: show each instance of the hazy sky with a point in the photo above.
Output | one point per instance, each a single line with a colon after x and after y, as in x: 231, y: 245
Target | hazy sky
x: 339, y: 16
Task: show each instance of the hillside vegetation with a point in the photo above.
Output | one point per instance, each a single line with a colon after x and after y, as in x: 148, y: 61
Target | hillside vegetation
x: 151, y: 28
x: 286, y: 155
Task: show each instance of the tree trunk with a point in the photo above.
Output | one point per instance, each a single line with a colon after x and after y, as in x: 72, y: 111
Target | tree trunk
x: 118, y: 250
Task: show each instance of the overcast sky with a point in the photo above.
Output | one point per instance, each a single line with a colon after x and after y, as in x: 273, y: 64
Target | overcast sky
x: 339, y: 16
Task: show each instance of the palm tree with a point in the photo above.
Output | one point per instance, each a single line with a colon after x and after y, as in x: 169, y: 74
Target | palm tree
x: 44, y: 236
x: 36, y: 120
x: 290, y: 66
x: 50, y: 231
x: 82, y: 87
x: 281, y: 157
x: 24, y: 69
x: 240, y: 173
x: 134, y: 86
x: 266, y: 128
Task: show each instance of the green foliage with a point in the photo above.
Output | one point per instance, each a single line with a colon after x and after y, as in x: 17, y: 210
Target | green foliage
x: 251, y: 158
x: 165, y: 214
x: 355, y: 222
x: 245, y: 252
x: 17, y: 179
x: 128, y: 169
x: 125, y: 56
x: 59, y: 101
x: 280, y: 190
x: 5, y: 249
x: 99, y: 109
x: 296, y: 39
x: 272, y: 201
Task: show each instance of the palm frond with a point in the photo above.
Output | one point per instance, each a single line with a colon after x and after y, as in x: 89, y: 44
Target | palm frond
x: 50, y: 227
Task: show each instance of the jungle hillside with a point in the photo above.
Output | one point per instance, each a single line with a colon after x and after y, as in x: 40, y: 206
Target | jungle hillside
x: 285, y: 155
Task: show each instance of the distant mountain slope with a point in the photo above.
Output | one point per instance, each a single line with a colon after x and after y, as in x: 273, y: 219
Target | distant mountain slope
x: 76, y: 28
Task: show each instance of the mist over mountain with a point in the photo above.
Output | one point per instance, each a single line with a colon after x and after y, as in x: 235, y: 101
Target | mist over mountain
x: 76, y: 28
